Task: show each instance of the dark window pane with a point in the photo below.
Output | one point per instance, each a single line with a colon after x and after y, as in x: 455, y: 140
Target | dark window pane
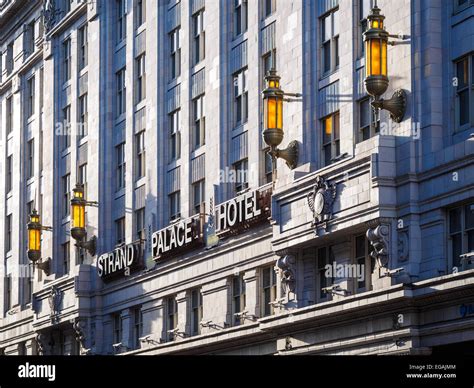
x: 464, y: 107
x: 470, y: 241
x: 463, y: 73
x: 327, y: 57
x: 360, y: 246
x: 469, y: 211
x: 457, y: 249
x: 455, y: 220
x: 266, y: 277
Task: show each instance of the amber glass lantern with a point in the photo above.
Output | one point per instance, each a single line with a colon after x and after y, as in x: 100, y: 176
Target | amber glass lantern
x: 273, y: 110
x: 78, y: 212
x: 34, y: 237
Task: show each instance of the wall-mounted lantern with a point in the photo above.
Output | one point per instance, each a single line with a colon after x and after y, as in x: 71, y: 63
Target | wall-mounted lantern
x: 273, y: 98
x: 34, y: 242
x: 78, y: 210
x: 376, y: 80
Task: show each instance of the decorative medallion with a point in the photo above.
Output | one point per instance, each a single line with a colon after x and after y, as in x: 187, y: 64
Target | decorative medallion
x: 321, y: 200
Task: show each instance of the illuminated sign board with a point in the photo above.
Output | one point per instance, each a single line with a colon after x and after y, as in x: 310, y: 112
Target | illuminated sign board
x: 120, y: 260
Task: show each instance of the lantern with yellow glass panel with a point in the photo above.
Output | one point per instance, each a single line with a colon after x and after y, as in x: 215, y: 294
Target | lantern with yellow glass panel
x: 78, y: 213
x: 35, y: 229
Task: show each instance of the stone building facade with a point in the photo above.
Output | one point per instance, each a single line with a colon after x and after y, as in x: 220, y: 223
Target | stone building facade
x: 155, y: 107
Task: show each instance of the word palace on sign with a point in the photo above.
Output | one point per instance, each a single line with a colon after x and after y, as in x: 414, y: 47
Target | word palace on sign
x: 118, y: 260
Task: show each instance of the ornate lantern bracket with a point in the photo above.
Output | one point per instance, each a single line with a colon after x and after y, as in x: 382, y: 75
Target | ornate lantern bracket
x: 78, y: 231
x: 34, y: 242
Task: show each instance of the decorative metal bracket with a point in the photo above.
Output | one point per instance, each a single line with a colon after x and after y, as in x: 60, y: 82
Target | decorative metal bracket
x: 396, y: 105
x: 289, y: 154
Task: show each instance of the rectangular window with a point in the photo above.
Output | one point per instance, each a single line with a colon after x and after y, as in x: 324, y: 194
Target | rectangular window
x: 175, y: 54
x: 66, y: 254
x: 67, y: 6
x: 196, y: 311
x: 9, y: 174
x: 82, y: 47
x: 117, y: 321
x: 241, y: 101
x: 460, y: 5
x: 175, y: 134
x: 268, y: 63
x: 330, y: 42
x: 9, y: 114
x: 83, y: 115
x: 30, y: 38
x: 8, y: 293
x: 120, y: 231
x: 241, y: 170
x: 240, y: 17
x: 140, y: 12
x: 199, y: 122
x: 82, y: 177
x: 171, y: 317
x: 268, y: 290
x: 175, y: 205
x: 41, y: 89
x: 121, y: 92
x: 199, y: 41
x: 66, y: 60
x: 199, y: 195
x: 331, y: 138
x: 137, y: 326
x: 461, y: 232
x: 365, y: 264
x: 66, y: 186
x: 8, y: 233
x: 30, y: 163
x: 30, y: 102
x: 121, y: 20
x: 140, y: 87
x: 140, y: 224
x: 465, y: 93
x: 369, y: 121
x: 9, y: 58
x: 120, y: 163
x: 364, y: 9
x: 238, y: 298
x: 325, y: 257
x: 66, y: 135
x: 28, y: 285
x: 269, y: 7
x: 140, y: 155
x: 268, y: 167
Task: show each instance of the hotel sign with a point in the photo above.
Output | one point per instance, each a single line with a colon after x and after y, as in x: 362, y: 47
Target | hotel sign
x: 120, y: 261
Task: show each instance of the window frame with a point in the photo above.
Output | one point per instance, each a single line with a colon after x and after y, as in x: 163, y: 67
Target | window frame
x: 241, y: 165
x: 140, y: 13
x: 82, y: 116
x: 271, y: 288
x: 30, y: 151
x: 240, y: 17
x: 334, y: 141
x: 464, y: 232
x: 140, y: 231
x: 120, y: 237
x: 238, y: 298
x: 82, y: 46
x: 199, y: 36
x: 121, y: 6
x: 241, y: 97
x: 66, y: 257
x: 120, y: 163
x: 199, y: 121
x: 333, y: 42
x: 67, y: 59
x: 469, y: 89
x: 66, y: 137
x: 140, y: 155
x: 171, y: 317
x: 199, y: 188
x: 174, y: 119
x: 175, y: 52
x: 30, y: 88
x: 120, y: 79
x: 196, y: 311
x: 66, y: 184
x: 373, y: 127
x: 174, y: 199
x: 140, y: 80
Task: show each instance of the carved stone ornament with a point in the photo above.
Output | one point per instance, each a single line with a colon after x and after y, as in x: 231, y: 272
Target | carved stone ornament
x: 55, y: 298
x: 80, y: 330
x: 321, y: 200
x: 49, y: 14
x: 378, y: 235
x: 287, y: 267
x: 403, y: 251
x: 40, y: 343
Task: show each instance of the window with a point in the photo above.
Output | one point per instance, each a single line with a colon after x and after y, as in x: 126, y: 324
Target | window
x: 8, y: 233
x: 238, y: 298
x: 175, y: 205
x: 120, y: 231
x: 465, y: 93
x: 241, y: 170
x: 364, y: 9
x: 171, y: 317
x: 330, y: 136
x: 30, y: 102
x: 66, y: 136
x: 117, y: 322
x: 269, y: 62
x: 268, y: 167
x: 140, y: 224
x: 41, y: 89
x: 66, y: 60
x: 121, y: 20
x: 82, y: 177
x: 140, y: 154
x: 121, y: 92
x: 199, y: 37
x: 9, y: 114
x: 175, y: 48
x: 269, y: 7
x: 199, y: 122
x: 120, y: 163
x: 28, y: 285
x: 140, y: 12
x: 66, y: 183
x: 241, y: 16
x: 461, y: 232
x: 365, y: 264
x: 30, y: 38
x: 67, y: 6
x: 82, y: 122
x: 137, y: 326
x: 330, y: 42
x: 9, y: 174
x: 241, y: 101
x: 268, y: 290
x: 8, y: 292
x: 140, y: 89
x: 325, y: 257
x: 460, y: 5
x: 198, y: 195
x: 175, y: 134
x: 369, y: 121
x: 29, y: 210
x: 196, y: 311
x: 82, y: 47
x: 30, y: 162
x: 66, y: 254
x: 9, y: 58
